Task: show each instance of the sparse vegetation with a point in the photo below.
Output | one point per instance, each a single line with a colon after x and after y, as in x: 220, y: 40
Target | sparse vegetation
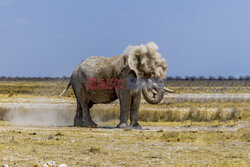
x: 93, y: 147
x: 178, y: 132
x: 52, y: 87
x: 198, y: 112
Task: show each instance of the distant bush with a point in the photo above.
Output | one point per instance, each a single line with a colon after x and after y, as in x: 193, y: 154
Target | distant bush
x: 29, y: 79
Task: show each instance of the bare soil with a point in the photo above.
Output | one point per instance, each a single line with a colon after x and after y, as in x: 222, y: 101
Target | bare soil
x: 34, y: 139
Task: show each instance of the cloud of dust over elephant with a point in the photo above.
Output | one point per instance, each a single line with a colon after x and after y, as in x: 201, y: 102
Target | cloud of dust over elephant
x: 146, y: 61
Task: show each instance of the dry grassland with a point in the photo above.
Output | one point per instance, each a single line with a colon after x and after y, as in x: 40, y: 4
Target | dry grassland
x: 176, y: 132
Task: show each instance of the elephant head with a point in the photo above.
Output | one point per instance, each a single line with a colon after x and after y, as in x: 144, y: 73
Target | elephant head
x: 148, y: 65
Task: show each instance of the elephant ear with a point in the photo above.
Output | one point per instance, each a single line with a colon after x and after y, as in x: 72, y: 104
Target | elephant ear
x: 124, y: 64
x: 119, y: 64
x: 130, y: 66
x: 133, y: 65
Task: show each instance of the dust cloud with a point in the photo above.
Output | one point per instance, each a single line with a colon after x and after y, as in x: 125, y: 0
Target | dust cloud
x: 40, y: 115
x: 146, y: 61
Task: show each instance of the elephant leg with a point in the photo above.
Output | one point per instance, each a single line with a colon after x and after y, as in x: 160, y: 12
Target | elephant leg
x: 134, y: 111
x: 78, y: 121
x: 87, y: 121
x: 82, y: 117
x: 125, y: 103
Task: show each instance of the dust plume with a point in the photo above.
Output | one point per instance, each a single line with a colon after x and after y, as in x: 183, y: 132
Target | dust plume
x: 40, y: 115
x: 146, y: 61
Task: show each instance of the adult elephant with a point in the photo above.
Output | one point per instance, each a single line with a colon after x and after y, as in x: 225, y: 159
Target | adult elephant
x: 103, y: 80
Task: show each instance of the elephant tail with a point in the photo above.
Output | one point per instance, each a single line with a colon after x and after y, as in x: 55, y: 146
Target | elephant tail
x: 65, y: 89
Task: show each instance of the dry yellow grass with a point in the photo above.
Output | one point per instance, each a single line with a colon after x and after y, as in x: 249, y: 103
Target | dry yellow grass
x: 47, y: 89
x: 167, y: 138
x: 54, y: 88
x: 26, y: 146
x: 173, y: 112
x: 198, y: 112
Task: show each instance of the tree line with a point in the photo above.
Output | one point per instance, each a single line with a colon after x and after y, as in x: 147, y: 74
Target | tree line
x: 170, y: 78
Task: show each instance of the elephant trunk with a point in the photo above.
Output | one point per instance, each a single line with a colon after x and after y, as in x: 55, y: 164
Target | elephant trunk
x: 154, y: 95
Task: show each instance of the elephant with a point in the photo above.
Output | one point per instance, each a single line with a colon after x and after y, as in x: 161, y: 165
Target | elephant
x: 104, y: 79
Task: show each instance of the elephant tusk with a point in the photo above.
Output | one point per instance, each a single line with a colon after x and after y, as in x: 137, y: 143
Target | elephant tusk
x: 154, y: 91
x: 169, y: 90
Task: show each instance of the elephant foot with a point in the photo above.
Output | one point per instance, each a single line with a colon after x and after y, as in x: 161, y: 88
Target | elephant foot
x: 78, y: 123
x: 89, y: 124
x: 85, y: 124
x: 122, y: 125
x: 135, y: 125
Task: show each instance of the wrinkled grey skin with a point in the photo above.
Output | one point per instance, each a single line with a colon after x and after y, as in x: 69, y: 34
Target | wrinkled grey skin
x: 104, y: 68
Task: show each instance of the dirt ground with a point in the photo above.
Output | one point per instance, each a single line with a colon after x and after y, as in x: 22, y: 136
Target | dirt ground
x: 106, y: 146
x: 33, y: 139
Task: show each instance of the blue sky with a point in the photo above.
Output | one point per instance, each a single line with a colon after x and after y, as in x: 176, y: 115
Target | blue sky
x: 197, y: 37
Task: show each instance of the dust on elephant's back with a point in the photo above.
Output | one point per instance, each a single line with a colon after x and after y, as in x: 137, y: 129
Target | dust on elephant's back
x: 103, y: 67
